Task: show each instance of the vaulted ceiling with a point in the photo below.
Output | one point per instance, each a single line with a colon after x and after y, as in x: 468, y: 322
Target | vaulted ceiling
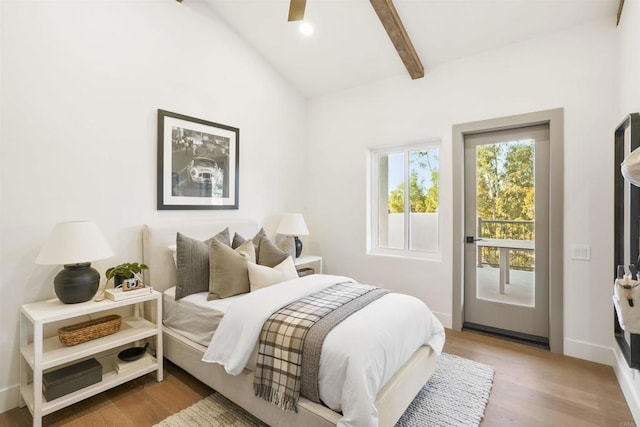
x: 350, y: 47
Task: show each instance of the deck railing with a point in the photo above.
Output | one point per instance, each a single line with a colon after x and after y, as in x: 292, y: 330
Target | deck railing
x: 506, y: 229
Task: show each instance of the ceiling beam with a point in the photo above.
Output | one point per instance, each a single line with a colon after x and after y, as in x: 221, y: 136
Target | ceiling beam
x: 399, y: 37
x: 296, y: 10
x: 620, y: 6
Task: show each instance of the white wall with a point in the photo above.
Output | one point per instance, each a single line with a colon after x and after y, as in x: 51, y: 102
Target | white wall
x: 629, y: 102
x: 81, y: 83
x: 575, y: 70
x: 629, y: 41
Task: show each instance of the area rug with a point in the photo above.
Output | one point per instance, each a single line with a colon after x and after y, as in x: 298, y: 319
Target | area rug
x: 456, y: 395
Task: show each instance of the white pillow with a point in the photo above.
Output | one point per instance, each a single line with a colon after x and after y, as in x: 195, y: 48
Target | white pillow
x: 261, y: 276
x: 174, y: 254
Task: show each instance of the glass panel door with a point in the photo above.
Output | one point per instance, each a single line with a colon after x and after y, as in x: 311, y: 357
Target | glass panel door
x: 506, y: 228
x: 505, y: 218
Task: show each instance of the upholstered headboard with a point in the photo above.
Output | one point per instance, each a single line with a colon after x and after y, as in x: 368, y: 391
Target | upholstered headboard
x: 156, y: 239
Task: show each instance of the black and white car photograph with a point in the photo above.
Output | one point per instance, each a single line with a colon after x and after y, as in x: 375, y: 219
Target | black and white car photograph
x: 199, y: 164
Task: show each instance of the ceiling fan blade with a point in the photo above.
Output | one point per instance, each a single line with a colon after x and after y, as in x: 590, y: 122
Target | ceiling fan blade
x: 296, y: 10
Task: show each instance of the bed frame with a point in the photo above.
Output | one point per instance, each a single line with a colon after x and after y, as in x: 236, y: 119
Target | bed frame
x: 391, y: 402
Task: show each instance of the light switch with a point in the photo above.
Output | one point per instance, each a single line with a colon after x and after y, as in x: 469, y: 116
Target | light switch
x: 581, y: 252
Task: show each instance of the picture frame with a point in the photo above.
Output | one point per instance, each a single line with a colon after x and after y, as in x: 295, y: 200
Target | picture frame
x: 626, y: 225
x: 198, y: 163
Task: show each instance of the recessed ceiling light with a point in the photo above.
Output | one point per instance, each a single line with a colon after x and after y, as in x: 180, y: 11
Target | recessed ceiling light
x: 306, y: 29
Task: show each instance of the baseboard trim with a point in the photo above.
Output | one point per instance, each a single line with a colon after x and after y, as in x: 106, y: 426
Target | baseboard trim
x: 625, y: 377
x: 589, y: 351
x: 9, y: 398
x: 445, y: 319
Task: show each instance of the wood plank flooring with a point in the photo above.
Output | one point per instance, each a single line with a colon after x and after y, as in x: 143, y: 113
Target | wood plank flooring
x: 532, y: 387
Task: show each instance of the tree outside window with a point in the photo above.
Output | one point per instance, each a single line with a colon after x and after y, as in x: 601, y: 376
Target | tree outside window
x: 505, y: 194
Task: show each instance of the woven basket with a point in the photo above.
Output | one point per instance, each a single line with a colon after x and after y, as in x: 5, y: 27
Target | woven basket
x: 89, y: 330
x: 305, y: 271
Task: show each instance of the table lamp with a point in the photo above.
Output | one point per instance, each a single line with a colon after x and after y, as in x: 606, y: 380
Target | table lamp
x: 292, y: 224
x: 74, y: 244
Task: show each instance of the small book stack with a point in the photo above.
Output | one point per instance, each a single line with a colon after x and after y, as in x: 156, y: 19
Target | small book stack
x: 117, y: 294
x: 123, y: 367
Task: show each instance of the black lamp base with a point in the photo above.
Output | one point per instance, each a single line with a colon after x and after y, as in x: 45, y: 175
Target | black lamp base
x: 76, y: 283
x: 298, y: 246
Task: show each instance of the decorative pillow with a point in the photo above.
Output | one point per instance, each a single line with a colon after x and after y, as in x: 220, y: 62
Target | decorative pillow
x: 270, y: 254
x: 238, y: 240
x: 228, y: 268
x: 174, y: 253
x: 222, y: 236
x: 261, y: 276
x: 192, y: 263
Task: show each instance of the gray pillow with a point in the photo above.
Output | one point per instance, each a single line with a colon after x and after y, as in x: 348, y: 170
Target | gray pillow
x: 238, y: 240
x: 229, y: 274
x: 192, y: 263
x: 270, y: 254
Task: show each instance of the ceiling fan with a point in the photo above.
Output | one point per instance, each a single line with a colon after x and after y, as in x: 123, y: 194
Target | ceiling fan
x: 296, y: 10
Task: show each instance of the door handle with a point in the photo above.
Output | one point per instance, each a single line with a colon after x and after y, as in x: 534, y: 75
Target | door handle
x: 471, y: 239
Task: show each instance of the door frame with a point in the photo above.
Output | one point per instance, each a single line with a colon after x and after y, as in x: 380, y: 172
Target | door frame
x: 555, y: 119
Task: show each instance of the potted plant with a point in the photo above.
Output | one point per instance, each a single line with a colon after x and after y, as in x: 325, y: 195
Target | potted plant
x: 125, y: 271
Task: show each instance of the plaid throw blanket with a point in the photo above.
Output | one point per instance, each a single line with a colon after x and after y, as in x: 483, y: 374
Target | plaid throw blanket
x: 279, y: 363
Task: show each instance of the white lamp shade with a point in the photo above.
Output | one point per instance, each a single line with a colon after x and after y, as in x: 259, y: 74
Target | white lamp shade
x: 292, y: 224
x: 74, y: 242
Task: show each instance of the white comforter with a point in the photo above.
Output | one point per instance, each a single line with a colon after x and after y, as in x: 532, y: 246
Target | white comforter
x: 352, y: 371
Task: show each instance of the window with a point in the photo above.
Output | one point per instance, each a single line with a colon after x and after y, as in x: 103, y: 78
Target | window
x: 404, y: 222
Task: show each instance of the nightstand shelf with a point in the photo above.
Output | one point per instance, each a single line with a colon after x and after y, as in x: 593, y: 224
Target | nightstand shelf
x: 310, y: 261
x: 39, y: 353
x: 110, y: 379
x: 54, y: 353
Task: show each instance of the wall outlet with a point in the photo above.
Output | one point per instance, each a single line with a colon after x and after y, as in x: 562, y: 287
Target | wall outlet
x: 581, y: 252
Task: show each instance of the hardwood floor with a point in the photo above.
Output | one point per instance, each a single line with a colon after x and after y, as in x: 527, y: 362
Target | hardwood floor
x: 532, y: 387
x: 141, y: 402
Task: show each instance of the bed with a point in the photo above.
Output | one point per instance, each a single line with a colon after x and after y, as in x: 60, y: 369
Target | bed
x: 185, y: 346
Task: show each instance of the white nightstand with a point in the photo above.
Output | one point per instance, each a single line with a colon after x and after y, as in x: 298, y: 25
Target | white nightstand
x: 312, y: 261
x: 40, y: 353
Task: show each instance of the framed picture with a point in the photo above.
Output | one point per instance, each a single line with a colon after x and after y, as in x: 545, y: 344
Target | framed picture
x: 198, y: 163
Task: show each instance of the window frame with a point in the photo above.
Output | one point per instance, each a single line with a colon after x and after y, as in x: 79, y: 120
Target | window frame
x: 373, y: 197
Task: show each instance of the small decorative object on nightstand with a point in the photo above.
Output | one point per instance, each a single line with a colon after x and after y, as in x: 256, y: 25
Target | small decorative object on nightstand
x: 312, y: 262
x: 305, y: 271
x: 292, y: 224
x: 89, y: 330
x: 126, y: 274
x: 74, y: 244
